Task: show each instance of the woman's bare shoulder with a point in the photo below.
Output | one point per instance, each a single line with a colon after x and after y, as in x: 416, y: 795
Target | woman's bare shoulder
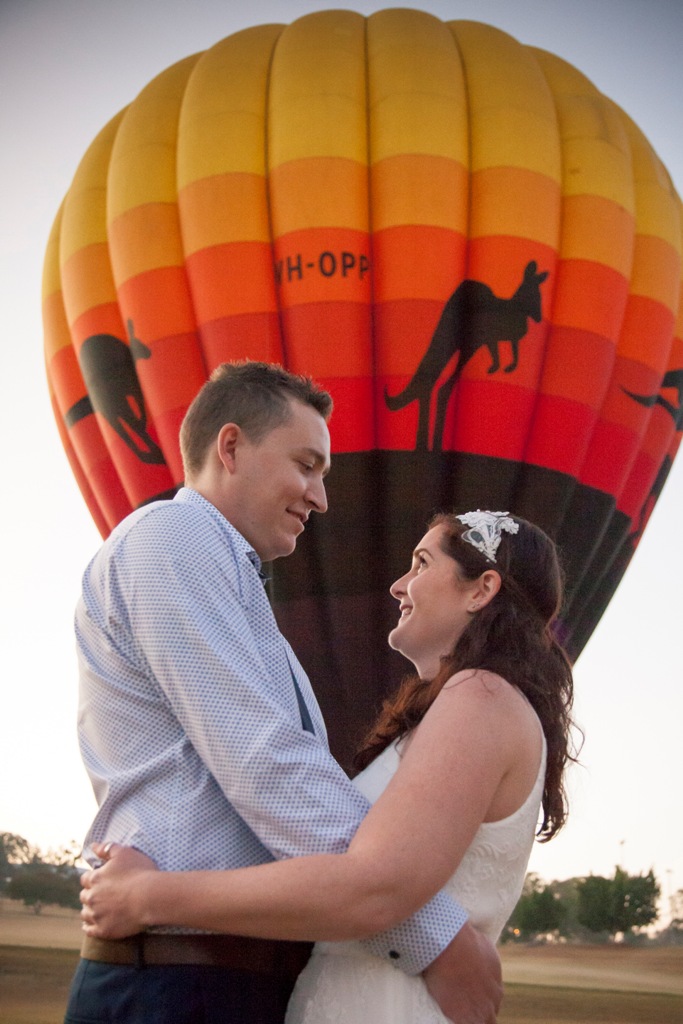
x: 493, y: 692
x: 475, y: 682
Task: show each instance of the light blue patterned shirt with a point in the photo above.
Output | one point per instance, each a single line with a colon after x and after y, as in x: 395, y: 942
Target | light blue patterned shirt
x: 189, y: 724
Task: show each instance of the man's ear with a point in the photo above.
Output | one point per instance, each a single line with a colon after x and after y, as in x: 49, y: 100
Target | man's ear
x: 227, y: 442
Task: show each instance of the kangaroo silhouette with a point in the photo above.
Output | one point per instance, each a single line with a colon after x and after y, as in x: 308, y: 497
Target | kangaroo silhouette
x: 672, y: 379
x: 473, y: 318
x: 108, y: 367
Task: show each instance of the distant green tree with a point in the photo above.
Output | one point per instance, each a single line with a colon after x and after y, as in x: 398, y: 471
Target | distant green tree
x: 13, y: 850
x: 37, y: 878
x: 539, y: 911
x: 625, y: 903
x: 594, y: 907
x: 37, y: 884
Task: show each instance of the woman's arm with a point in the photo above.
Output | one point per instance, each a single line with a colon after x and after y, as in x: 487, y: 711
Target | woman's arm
x: 408, y: 846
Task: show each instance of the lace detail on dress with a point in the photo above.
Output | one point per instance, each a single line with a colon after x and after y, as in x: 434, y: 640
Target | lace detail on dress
x: 344, y: 984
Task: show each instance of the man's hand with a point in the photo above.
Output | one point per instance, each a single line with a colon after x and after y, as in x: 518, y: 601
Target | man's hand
x: 111, y: 895
x: 466, y: 979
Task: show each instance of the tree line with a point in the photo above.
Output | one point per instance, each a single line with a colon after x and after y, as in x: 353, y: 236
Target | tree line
x: 592, y: 908
x: 37, y: 878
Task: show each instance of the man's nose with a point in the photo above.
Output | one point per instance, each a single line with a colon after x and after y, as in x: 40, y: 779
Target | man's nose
x: 317, y: 496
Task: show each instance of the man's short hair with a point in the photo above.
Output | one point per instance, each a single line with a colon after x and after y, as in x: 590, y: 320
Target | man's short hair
x: 256, y: 396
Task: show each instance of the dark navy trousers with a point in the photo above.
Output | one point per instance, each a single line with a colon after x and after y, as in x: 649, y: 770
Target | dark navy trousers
x: 184, y: 994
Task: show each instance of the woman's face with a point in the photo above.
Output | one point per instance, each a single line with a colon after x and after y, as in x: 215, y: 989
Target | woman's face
x: 435, y: 605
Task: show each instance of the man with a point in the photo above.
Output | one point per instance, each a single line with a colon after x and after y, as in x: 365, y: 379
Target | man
x: 199, y: 728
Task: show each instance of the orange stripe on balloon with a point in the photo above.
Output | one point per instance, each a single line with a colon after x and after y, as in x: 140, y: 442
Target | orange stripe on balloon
x: 105, y: 319
x: 417, y: 262
x: 313, y: 192
x: 166, y: 373
x: 87, y: 280
x: 492, y: 419
x: 515, y: 201
x: 224, y: 208
x: 598, y: 230
x: 55, y: 327
x: 419, y: 188
x: 589, y: 297
x: 646, y: 332
x: 352, y: 426
x: 66, y: 379
x: 327, y: 339
x: 158, y: 304
x: 657, y: 273
x: 248, y: 266
x: 144, y: 238
x: 249, y: 336
x: 578, y: 366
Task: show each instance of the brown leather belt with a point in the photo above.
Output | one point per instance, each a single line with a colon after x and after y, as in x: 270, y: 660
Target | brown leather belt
x: 260, y: 956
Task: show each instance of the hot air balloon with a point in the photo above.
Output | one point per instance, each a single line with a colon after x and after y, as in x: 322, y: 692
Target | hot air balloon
x: 476, y: 252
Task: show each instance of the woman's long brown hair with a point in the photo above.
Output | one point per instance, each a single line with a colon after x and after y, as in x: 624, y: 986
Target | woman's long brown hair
x: 512, y: 636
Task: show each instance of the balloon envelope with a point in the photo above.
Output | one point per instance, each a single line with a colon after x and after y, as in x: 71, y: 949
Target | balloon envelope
x: 476, y: 252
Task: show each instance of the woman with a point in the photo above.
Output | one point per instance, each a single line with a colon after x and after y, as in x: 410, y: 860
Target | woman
x: 458, y: 765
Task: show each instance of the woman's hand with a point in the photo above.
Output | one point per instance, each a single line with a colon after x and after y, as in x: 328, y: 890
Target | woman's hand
x: 113, y: 895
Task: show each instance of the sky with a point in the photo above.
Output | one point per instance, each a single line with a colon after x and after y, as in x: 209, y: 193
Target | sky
x: 66, y: 67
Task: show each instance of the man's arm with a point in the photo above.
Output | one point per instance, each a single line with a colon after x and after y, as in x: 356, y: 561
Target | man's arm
x: 235, y: 700
x: 466, y: 979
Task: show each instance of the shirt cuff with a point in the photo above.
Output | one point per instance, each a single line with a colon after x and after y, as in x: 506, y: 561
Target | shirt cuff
x: 414, y: 944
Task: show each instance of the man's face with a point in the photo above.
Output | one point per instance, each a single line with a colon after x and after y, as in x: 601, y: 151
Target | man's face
x: 279, y: 480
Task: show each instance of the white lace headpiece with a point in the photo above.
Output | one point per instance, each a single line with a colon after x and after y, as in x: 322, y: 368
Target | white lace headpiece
x: 486, y: 529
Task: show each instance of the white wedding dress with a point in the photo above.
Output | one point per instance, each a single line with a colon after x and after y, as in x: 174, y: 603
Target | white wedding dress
x: 344, y: 984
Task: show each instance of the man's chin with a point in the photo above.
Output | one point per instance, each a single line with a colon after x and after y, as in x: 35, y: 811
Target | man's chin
x: 286, y: 547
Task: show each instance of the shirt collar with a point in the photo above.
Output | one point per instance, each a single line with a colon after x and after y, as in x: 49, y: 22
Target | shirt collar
x: 187, y: 494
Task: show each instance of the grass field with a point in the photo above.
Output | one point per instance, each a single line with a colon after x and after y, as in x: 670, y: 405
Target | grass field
x: 544, y: 984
